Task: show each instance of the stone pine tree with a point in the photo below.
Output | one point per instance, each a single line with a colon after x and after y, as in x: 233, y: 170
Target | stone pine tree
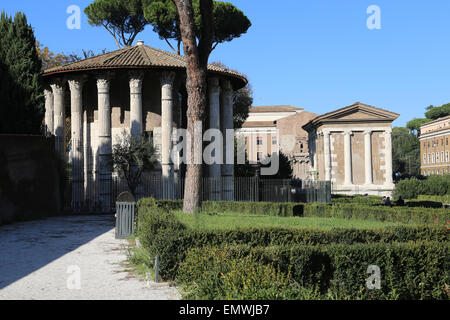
x: 229, y: 21
x: 196, y: 54
x: 199, y: 38
x: 21, y: 92
x: 123, y: 19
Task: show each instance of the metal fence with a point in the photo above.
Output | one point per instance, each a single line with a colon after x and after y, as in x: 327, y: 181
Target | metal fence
x: 242, y: 189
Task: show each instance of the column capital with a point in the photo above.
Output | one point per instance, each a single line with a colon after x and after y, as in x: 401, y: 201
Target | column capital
x: 214, y: 82
x: 388, y: 131
x: 348, y: 132
x: 226, y: 85
x: 367, y: 132
x: 326, y: 132
x: 48, y: 93
x: 103, y: 81
x: 136, y: 79
x: 57, y: 86
x: 76, y: 83
x: 167, y: 78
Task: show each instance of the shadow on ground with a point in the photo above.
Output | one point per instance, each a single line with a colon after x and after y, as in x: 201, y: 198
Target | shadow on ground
x: 28, y: 246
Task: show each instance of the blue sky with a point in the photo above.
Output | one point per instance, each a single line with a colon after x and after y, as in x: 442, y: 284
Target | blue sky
x: 318, y: 54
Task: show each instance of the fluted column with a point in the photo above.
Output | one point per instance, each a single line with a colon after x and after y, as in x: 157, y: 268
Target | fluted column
x: 167, y: 79
x: 59, y: 115
x: 388, y: 156
x: 48, y: 112
x: 348, y: 157
x: 76, y: 104
x: 327, y: 153
x: 87, y: 157
x: 104, y: 142
x: 136, y: 117
x: 368, y: 157
x: 215, y: 169
x: 228, y: 150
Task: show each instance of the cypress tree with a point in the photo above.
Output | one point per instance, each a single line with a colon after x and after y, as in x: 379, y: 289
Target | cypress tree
x: 21, y: 92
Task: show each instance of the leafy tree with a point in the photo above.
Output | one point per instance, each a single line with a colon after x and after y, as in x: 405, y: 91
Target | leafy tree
x: 415, y: 124
x: 438, y: 112
x: 21, y: 92
x: 123, y: 19
x: 132, y: 156
x: 405, y: 153
x: 229, y: 22
x: 285, y: 169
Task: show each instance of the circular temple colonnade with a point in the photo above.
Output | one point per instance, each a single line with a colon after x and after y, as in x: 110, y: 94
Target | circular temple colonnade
x: 136, y: 89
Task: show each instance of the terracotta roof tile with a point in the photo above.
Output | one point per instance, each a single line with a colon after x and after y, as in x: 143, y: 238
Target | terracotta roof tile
x: 139, y: 56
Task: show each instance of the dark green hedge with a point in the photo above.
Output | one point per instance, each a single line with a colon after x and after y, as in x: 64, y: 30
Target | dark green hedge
x: 432, y: 186
x: 416, y: 215
x: 408, y: 271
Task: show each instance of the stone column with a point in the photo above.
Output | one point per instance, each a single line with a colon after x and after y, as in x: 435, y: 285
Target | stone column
x: 49, y: 112
x: 388, y: 156
x: 215, y: 170
x: 348, y: 157
x: 104, y: 142
x: 227, y: 124
x: 136, y: 116
x: 368, y: 157
x: 76, y: 104
x: 59, y: 117
x: 167, y: 79
x: 88, y: 161
x: 327, y: 153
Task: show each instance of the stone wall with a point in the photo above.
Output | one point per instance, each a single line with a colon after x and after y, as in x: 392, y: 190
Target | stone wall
x: 29, y: 178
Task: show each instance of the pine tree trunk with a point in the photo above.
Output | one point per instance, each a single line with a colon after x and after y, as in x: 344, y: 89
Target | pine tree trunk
x: 196, y: 84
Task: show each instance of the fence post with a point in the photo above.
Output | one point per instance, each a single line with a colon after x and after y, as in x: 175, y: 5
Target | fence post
x: 157, y: 269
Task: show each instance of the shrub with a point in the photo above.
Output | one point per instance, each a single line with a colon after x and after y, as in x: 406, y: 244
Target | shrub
x: 408, y: 271
x: 433, y: 186
x: 171, y: 245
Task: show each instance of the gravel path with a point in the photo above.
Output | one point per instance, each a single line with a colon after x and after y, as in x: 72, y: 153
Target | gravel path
x: 41, y: 260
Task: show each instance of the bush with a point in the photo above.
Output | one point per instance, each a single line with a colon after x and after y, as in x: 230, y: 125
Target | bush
x: 171, y: 245
x: 380, y: 213
x: 432, y: 186
x: 442, y: 199
x: 408, y: 271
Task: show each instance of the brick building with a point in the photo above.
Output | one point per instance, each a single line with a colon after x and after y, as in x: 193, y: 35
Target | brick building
x: 271, y: 129
x: 434, y: 147
x: 352, y: 147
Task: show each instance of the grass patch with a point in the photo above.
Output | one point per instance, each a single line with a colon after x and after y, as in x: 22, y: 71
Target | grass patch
x: 233, y: 220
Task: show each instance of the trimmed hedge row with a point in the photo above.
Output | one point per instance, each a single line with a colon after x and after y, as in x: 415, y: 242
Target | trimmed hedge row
x: 442, y: 199
x: 171, y: 245
x: 416, y: 215
x: 163, y: 235
x: 432, y: 185
x: 408, y: 271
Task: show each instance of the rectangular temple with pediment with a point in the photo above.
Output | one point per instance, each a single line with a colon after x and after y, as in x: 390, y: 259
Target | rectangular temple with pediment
x: 352, y: 148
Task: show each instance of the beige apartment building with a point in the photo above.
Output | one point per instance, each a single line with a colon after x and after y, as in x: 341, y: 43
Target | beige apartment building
x: 434, y: 147
x: 352, y: 148
x: 274, y: 129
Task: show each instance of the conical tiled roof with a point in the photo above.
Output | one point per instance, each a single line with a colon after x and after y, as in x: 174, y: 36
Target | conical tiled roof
x: 137, y: 57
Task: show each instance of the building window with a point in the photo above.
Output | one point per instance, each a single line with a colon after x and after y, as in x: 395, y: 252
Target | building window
x: 259, y: 141
x: 432, y: 158
x: 274, y: 141
x: 437, y: 157
x: 424, y: 158
x: 442, y: 156
x: 442, y: 142
x: 447, y: 156
x: 428, y: 160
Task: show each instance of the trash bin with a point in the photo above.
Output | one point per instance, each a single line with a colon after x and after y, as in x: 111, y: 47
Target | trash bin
x: 125, y: 213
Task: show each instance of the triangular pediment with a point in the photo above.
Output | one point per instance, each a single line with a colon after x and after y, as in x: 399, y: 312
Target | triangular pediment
x: 357, y: 112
